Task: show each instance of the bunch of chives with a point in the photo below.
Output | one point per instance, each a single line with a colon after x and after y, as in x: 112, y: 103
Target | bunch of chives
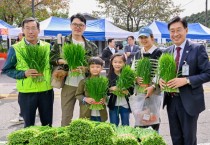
x: 74, y: 54
x: 97, y: 89
x: 35, y: 57
x: 167, y: 69
x: 124, y: 81
x: 143, y: 70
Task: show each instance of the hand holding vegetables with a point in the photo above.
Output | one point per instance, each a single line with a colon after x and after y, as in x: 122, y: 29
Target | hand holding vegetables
x: 32, y: 73
x: 174, y: 83
x: 59, y: 74
x: 139, y: 80
x: 114, y: 88
x: 89, y: 100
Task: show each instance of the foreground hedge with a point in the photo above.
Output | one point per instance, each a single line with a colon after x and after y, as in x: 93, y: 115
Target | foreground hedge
x: 85, y: 132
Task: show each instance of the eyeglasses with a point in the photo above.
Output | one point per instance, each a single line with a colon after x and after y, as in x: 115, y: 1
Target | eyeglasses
x: 77, y: 25
x: 32, y: 28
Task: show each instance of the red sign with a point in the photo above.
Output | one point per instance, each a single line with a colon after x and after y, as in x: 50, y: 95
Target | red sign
x: 3, y: 31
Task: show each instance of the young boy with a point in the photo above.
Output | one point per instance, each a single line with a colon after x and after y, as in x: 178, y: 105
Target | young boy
x: 95, y: 68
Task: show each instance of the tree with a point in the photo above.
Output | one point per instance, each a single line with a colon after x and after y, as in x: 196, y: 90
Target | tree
x: 14, y: 11
x: 132, y: 14
x: 198, y: 18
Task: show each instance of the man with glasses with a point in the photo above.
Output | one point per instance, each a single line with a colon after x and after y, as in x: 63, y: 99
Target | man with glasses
x: 32, y: 95
x: 193, y: 69
x: 78, y: 26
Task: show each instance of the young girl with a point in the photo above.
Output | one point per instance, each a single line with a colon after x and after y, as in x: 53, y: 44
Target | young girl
x: 149, y: 115
x: 118, y: 106
x: 95, y: 68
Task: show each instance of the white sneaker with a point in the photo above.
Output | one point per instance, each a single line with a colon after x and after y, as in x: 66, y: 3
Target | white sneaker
x: 18, y: 120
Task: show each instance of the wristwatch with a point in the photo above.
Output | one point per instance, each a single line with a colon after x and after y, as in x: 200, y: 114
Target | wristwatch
x: 188, y: 81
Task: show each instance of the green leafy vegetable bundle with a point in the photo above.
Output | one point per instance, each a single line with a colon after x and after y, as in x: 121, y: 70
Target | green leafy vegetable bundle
x: 126, y: 139
x: 124, y: 81
x: 74, y: 54
x: 44, y: 138
x: 148, y: 137
x: 167, y: 69
x: 62, y: 139
x: 97, y: 89
x: 79, y: 131
x: 102, y: 135
x: 22, y: 136
x: 126, y: 136
x: 85, y: 132
x: 143, y: 70
x: 35, y: 57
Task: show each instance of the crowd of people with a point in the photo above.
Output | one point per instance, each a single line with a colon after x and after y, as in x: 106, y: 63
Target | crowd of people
x: 183, y: 107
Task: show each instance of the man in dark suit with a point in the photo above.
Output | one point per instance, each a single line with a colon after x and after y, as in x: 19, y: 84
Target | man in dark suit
x: 193, y: 70
x: 131, y: 50
x: 108, y: 52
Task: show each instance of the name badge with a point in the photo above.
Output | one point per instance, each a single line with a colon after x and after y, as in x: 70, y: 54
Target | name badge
x: 185, y: 69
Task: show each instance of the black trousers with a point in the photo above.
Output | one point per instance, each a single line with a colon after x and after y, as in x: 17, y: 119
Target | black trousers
x: 183, y: 127
x: 30, y: 102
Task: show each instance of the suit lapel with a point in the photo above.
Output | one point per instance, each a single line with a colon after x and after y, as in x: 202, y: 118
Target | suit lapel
x: 129, y: 48
x: 135, y: 48
x: 185, y: 53
x: 109, y: 50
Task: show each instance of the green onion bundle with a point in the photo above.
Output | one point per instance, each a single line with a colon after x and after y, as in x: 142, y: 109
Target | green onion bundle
x: 125, y: 81
x: 35, y: 57
x: 74, y: 54
x: 143, y: 70
x: 97, y: 89
x: 167, y: 69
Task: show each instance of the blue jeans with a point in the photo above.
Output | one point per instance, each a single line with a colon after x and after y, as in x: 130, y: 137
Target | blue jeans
x: 95, y: 118
x: 124, y: 114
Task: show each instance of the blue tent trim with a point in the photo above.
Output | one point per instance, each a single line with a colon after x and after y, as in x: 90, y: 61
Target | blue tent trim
x: 5, y: 24
x: 96, y: 30
x: 195, y: 31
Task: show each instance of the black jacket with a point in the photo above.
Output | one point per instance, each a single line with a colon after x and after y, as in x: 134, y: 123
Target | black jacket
x: 106, y: 55
x: 112, y: 100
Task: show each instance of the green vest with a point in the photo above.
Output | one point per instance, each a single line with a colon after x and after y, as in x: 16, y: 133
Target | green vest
x: 26, y: 85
